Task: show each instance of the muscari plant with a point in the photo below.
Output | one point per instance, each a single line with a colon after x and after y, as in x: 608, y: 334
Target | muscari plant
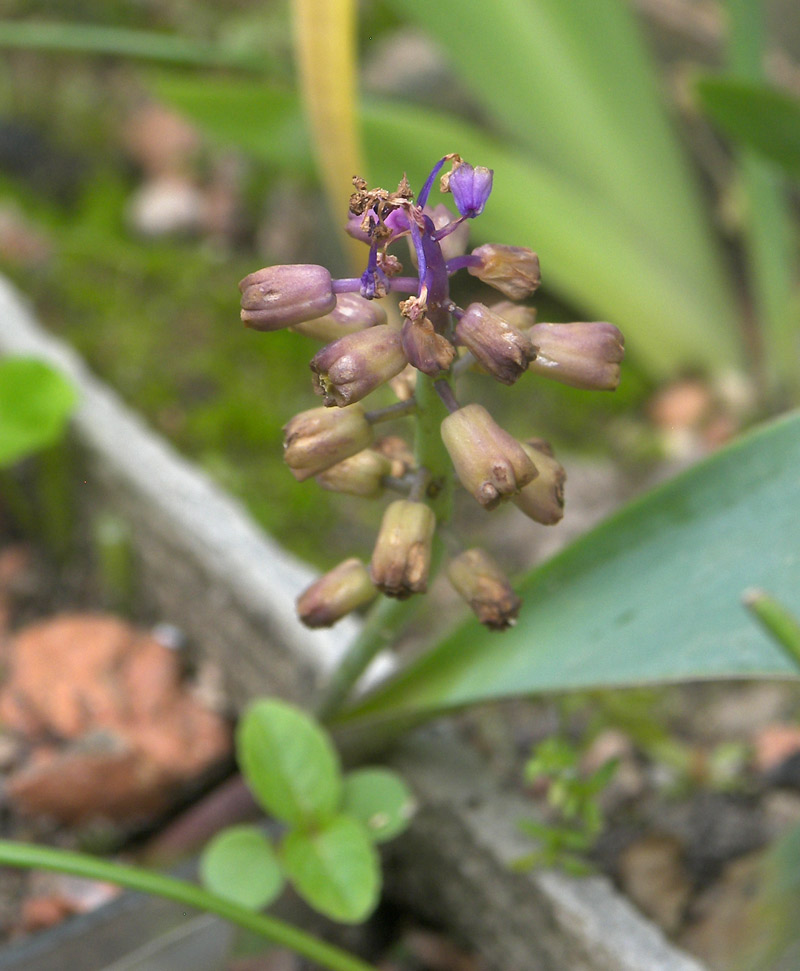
x: 422, y: 356
x: 655, y: 593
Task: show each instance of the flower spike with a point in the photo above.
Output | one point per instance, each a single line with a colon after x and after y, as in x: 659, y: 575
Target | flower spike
x: 419, y: 349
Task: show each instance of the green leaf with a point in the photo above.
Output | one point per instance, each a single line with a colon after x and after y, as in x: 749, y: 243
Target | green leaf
x: 574, y: 85
x: 335, y: 868
x: 150, y: 45
x: 288, y: 762
x: 240, y: 865
x: 591, y: 254
x: 653, y: 594
x: 758, y: 116
x: 35, y: 403
x: 380, y: 800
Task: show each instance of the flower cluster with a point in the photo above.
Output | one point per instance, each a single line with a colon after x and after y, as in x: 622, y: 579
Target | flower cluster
x: 433, y: 341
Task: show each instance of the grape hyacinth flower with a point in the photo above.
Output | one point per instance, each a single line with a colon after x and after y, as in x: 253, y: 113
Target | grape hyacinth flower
x: 419, y: 349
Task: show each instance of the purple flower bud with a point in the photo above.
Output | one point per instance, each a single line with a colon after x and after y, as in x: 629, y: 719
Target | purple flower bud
x: 280, y: 296
x: 351, y: 314
x: 349, y: 369
x: 488, y: 461
x: 360, y: 475
x: 426, y: 350
x: 471, y: 188
x: 543, y: 498
x: 316, y: 439
x: 355, y: 227
x: 498, y: 347
x: 513, y: 270
x: 345, y: 588
x: 402, y: 557
x: 481, y: 582
x: 583, y: 355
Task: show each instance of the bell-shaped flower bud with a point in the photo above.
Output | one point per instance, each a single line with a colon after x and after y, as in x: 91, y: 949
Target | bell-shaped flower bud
x: 426, y: 350
x: 517, y: 314
x: 513, y: 270
x: 344, y: 589
x: 583, y: 355
x: 351, y: 314
x: 404, y: 384
x: 489, y: 462
x: 355, y: 227
x: 396, y: 449
x: 481, y: 582
x: 471, y: 188
x: 281, y: 296
x: 401, y: 559
x: 501, y: 349
x: 316, y: 439
x: 543, y: 498
x: 355, y: 365
x: 360, y: 475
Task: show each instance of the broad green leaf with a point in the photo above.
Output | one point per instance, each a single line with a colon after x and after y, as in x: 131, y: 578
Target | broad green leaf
x: 35, y: 403
x: 335, y: 868
x: 756, y: 115
x: 651, y: 595
x: 240, y: 865
x: 380, y: 800
x: 574, y: 84
x: 288, y: 762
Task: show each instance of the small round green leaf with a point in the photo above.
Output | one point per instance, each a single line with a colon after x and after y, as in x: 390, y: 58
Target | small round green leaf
x: 240, y: 865
x: 289, y: 762
x: 381, y: 800
x: 335, y: 868
x: 35, y: 402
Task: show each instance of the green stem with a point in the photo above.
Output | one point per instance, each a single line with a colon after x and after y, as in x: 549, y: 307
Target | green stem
x: 133, y: 878
x: 429, y: 450
x: 767, y: 224
x: 389, y: 616
x: 379, y: 631
x: 779, y: 622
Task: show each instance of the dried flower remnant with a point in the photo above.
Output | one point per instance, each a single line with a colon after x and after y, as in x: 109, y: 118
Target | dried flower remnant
x: 418, y: 360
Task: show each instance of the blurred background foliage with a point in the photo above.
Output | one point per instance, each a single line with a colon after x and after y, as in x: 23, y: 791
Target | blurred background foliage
x: 152, y: 154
